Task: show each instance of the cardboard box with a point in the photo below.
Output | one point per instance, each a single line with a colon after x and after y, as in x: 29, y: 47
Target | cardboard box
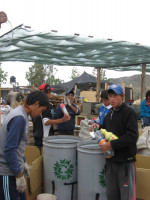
x: 89, y: 108
x: 143, y: 177
x: 34, y: 159
x: 89, y: 95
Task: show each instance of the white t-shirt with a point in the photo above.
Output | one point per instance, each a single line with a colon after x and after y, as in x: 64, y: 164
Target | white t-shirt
x: 46, y: 128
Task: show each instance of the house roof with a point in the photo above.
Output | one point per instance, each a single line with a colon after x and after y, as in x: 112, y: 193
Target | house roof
x: 24, y: 44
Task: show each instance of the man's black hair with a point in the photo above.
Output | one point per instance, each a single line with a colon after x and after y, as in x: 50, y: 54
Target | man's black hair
x: 69, y: 92
x: 147, y: 94
x: 110, y: 92
x: 19, y: 97
x: 35, y: 96
x: 47, y: 89
x: 104, y: 94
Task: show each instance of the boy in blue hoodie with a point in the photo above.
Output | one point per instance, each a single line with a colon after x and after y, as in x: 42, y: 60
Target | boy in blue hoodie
x: 104, y: 109
x: 145, y: 109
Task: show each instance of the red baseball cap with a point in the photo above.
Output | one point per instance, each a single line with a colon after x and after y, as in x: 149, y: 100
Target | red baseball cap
x: 45, y: 88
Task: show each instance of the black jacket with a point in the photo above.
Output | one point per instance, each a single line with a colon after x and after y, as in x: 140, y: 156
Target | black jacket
x: 70, y: 124
x: 123, y: 123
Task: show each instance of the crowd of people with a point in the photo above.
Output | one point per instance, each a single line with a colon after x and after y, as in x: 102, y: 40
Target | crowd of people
x: 115, y: 116
x: 36, y: 107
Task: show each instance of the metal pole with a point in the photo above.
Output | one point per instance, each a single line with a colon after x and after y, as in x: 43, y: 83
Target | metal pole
x: 143, y: 78
x: 0, y: 106
x: 98, y: 86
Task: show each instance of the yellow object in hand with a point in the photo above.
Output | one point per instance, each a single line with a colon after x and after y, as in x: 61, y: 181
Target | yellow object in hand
x: 108, y: 135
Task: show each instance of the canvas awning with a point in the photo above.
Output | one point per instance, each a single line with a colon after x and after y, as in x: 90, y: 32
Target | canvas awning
x: 26, y: 45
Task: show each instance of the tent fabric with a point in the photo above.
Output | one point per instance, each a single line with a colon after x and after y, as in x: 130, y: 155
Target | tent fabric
x: 83, y: 79
x: 26, y: 45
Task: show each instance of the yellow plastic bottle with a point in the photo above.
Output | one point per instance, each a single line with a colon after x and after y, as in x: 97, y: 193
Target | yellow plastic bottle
x: 108, y: 135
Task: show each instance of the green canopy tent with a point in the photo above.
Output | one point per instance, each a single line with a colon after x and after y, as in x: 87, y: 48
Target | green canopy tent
x: 27, y: 45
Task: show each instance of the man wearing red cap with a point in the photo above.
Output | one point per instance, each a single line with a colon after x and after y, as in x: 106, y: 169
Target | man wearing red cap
x: 42, y: 124
x: 45, y: 88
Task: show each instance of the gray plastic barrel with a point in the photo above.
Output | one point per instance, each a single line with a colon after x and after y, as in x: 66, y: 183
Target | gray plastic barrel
x: 91, y: 172
x: 46, y: 196
x: 60, y: 166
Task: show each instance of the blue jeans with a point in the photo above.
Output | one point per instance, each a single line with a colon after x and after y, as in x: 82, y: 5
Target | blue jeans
x: 146, y: 121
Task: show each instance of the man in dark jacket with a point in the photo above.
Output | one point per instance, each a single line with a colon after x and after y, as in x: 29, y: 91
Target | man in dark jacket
x: 120, y: 168
x: 67, y: 128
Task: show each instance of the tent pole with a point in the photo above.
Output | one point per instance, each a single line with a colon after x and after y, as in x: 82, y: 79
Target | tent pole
x: 75, y: 89
x: 143, y: 77
x: 0, y: 105
x: 98, y: 85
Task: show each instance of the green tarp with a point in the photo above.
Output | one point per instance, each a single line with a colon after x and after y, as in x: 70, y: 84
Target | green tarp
x: 26, y: 45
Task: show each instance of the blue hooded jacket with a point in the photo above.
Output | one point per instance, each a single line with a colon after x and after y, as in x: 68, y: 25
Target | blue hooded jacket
x: 144, y: 109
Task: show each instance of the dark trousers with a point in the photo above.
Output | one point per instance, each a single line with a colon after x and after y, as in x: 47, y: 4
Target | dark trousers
x: 38, y: 142
x: 8, y: 189
x: 121, y: 181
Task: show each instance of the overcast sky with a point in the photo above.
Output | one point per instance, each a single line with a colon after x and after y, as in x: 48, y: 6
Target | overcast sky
x: 126, y: 20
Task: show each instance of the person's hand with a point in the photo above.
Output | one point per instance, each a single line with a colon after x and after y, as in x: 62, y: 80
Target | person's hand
x: 66, y: 118
x: 26, y: 171
x: 21, y: 184
x: 93, y: 126
x: 105, y: 147
x: 68, y: 101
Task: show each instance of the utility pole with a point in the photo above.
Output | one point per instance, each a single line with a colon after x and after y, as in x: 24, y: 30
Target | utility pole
x: 143, y: 78
x: 98, y: 85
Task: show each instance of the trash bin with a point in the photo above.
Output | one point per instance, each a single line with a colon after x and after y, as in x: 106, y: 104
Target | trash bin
x: 91, y: 172
x: 46, y: 196
x: 60, y: 166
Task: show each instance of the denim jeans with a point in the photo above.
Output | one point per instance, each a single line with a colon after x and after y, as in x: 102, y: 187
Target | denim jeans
x: 146, y: 121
